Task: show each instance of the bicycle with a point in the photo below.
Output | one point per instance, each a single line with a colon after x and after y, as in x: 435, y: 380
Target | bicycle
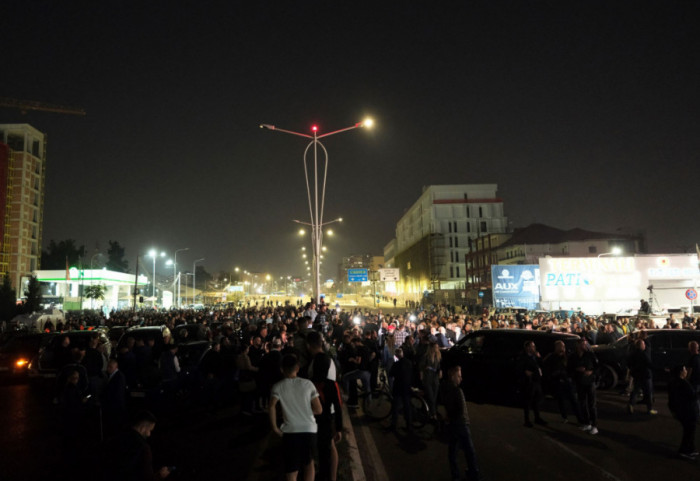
x: 379, y: 406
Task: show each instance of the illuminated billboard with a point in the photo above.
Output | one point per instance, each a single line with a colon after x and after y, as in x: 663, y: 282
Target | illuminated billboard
x: 516, y: 286
x: 616, y: 284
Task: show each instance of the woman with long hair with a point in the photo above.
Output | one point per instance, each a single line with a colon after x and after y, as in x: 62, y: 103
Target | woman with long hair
x: 430, y: 375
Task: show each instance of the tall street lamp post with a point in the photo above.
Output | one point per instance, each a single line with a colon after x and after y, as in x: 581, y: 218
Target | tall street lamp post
x: 154, y: 254
x: 177, y: 299
x: 316, y: 208
x: 194, y: 278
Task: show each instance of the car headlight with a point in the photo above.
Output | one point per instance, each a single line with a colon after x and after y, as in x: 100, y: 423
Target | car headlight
x: 20, y: 363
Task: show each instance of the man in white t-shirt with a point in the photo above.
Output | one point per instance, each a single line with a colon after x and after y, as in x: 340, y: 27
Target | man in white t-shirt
x: 300, y: 402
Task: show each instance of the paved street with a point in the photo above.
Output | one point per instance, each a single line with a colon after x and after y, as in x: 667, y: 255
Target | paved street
x: 223, y: 445
x: 629, y: 447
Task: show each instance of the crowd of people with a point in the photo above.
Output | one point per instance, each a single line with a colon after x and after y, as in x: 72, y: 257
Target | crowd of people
x: 259, y: 354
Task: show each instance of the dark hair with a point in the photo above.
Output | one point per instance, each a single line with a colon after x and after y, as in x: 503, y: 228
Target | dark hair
x: 143, y: 417
x: 289, y: 363
x: 314, y: 339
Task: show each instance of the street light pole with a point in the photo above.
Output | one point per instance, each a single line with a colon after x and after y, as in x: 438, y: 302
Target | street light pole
x: 194, y: 278
x: 154, y: 254
x: 177, y: 300
x: 316, y: 210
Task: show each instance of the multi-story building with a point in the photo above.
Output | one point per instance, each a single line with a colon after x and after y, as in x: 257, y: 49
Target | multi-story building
x: 22, y: 177
x: 436, y: 232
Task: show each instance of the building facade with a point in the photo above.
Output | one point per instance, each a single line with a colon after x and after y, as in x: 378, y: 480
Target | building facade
x: 22, y: 180
x: 437, y: 231
x: 526, y: 246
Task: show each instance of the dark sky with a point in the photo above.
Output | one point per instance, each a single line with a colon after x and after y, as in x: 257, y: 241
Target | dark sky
x: 584, y: 113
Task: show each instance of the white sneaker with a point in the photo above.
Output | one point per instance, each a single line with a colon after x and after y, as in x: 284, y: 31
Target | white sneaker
x: 587, y: 427
x: 594, y: 430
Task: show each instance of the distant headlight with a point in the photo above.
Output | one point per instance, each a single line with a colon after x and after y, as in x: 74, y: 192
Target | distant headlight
x: 21, y: 363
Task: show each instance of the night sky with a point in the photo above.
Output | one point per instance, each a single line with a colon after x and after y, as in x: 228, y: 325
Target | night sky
x: 584, y: 113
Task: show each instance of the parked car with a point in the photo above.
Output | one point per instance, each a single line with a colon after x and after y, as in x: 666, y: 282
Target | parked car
x: 190, y: 332
x: 669, y: 347
x: 189, y: 355
x: 44, y: 366
x: 17, y: 352
x: 489, y: 359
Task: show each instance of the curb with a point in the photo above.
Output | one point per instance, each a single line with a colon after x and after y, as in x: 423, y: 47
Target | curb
x: 358, y: 472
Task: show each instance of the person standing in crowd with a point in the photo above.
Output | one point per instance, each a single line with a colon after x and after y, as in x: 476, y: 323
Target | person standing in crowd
x: 323, y: 374
x: 246, y: 380
x: 402, y: 373
x: 458, y: 425
x: 113, y: 399
x: 682, y: 401
x: 531, y: 383
x: 640, y: 369
x: 300, y: 403
x: 129, y: 456
x: 693, y: 366
x: 555, y: 367
x: 582, y: 366
x: 430, y: 375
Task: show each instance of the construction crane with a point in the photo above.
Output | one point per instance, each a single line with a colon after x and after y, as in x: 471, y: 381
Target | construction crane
x: 26, y: 105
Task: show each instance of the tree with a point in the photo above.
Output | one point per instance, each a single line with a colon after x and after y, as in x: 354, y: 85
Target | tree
x: 116, y: 260
x: 203, y: 277
x: 56, y: 254
x: 33, y: 295
x: 8, y: 300
x: 95, y: 291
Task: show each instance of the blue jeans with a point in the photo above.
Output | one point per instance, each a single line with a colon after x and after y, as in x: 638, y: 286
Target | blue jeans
x: 646, y: 387
x: 461, y: 437
x: 353, y: 376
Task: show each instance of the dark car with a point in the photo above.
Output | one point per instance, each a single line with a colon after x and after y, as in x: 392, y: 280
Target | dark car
x: 489, y: 359
x: 190, y: 332
x: 44, y: 365
x: 17, y: 352
x: 189, y: 355
x: 669, y: 348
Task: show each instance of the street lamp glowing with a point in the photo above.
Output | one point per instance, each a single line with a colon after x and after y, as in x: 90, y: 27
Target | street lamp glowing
x: 302, y: 232
x: 329, y: 232
x: 314, y: 128
x: 368, y: 123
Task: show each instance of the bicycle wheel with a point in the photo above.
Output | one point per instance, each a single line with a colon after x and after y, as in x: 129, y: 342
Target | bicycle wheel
x: 379, y: 407
x: 419, y: 411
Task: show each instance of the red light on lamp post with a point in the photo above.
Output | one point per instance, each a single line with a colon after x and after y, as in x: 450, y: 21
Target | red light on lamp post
x: 314, y: 128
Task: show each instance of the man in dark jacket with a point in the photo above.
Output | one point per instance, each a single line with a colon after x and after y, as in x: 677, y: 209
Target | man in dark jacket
x: 114, y: 398
x: 129, y: 456
x: 531, y: 383
x: 458, y: 425
x: 683, y: 404
x: 556, y: 370
x: 402, y: 372
x: 330, y: 422
x: 640, y: 369
x: 583, y: 365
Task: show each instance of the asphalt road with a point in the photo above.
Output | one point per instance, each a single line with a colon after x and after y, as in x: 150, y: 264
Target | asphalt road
x: 628, y: 448
x: 207, y: 445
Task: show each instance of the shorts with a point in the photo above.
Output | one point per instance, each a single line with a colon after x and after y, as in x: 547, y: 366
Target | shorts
x: 298, y: 450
